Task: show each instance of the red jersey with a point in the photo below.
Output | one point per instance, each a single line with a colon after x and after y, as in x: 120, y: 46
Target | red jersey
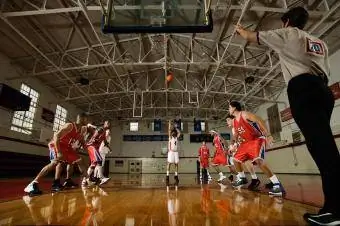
x: 246, y: 129
x: 219, y: 146
x: 203, y: 152
x: 70, y: 138
x: 97, y: 138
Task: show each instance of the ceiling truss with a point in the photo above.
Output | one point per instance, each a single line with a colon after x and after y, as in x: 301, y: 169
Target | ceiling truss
x: 127, y: 72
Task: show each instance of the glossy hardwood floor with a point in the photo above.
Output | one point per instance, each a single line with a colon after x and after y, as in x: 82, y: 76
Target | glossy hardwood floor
x: 144, y: 200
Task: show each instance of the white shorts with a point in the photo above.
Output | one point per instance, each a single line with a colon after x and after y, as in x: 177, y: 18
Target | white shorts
x: 173, y: 157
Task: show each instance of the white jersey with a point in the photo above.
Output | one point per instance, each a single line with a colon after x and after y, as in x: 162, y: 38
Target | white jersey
x: 299, y: 52
x: 173, y: 143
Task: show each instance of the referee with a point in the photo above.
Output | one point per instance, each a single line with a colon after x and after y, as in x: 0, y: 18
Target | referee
x: 305, y: 67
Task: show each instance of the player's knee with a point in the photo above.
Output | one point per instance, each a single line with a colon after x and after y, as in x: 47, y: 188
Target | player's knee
x: 258, y: 162
x: 54, y: 163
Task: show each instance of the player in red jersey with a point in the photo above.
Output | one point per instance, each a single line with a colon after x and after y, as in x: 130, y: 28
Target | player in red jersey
x: 61, y: 151
x: 220, y: 158
x: 93, y: 145
x: 252, y: 134
x: 255, y: 182
x: 203, y: 158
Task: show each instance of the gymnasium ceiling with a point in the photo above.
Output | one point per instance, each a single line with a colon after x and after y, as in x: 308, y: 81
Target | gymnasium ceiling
x: 59, y: 42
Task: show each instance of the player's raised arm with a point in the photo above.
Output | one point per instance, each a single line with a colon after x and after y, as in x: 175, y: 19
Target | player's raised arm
x: 169, y: 128
x: 178, y: 133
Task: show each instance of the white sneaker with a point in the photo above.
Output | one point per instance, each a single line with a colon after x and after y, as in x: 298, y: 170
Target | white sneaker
x: 222, y: 177
x: 104, y: 180
x: 29, y: 188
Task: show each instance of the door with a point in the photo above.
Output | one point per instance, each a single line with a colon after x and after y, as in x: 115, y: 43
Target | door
x: 135, y: 166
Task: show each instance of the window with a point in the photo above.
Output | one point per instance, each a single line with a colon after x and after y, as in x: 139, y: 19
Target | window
x: 134, y: 126
x: 23, y: 120
x: 59, y: 118
x: 203, y: 126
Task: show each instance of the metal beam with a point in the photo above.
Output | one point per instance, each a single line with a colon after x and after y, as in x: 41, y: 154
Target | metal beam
x: 131, y: 7
x: 5, y: 20
x: 244, y: 9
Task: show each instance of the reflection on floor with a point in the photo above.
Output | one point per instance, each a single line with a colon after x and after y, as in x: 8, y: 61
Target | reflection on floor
x: 145, y: 200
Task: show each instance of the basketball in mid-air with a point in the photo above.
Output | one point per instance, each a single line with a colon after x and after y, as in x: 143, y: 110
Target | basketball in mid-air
x: 169, y: 77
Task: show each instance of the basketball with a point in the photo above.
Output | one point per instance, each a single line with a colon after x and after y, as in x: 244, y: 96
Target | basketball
x: 169, y: 77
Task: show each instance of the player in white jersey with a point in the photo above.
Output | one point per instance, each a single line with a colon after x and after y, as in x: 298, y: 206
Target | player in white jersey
x: 173, y: 157
x: 305, y: 66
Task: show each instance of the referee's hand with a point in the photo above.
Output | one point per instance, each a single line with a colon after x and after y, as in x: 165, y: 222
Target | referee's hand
x: 239, y: 28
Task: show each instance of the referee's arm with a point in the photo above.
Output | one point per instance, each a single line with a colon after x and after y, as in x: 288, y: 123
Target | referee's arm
x: 274, y: 39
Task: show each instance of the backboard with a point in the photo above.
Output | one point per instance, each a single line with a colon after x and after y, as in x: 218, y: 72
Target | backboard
x: 157, y: 16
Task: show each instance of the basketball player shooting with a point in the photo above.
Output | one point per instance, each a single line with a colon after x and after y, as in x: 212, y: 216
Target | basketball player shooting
x: 173, y: 158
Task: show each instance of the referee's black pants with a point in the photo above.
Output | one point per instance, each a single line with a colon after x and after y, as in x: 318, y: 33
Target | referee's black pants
x: 312, y: 102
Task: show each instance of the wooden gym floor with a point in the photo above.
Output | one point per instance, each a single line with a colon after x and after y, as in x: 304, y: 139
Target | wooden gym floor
x: 145, y: 200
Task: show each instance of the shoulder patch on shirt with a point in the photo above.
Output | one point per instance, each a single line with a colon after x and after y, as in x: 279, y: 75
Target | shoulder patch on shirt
x: 315, y: 47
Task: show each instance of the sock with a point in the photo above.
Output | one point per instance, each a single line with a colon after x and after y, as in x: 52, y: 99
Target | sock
x: 208, y: 173
x: 90, y: 171
x: 253, y: 176
x: 99, y: 170
x: 274, y: 179
x: 241, y: 175
x: 167, y: 173
x: 176, y: 174
x: 220, y: 173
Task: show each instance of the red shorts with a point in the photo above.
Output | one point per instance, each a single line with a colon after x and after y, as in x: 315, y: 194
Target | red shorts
x: 94, y: 155
x: 69, y: 155
x: 204, y: 162
x: 251, y: 150
x: 220, y: 158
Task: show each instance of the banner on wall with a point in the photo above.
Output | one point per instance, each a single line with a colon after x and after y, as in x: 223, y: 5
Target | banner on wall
x: 274, y: 119
x: 286, y: 115
x: 47, y: 115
